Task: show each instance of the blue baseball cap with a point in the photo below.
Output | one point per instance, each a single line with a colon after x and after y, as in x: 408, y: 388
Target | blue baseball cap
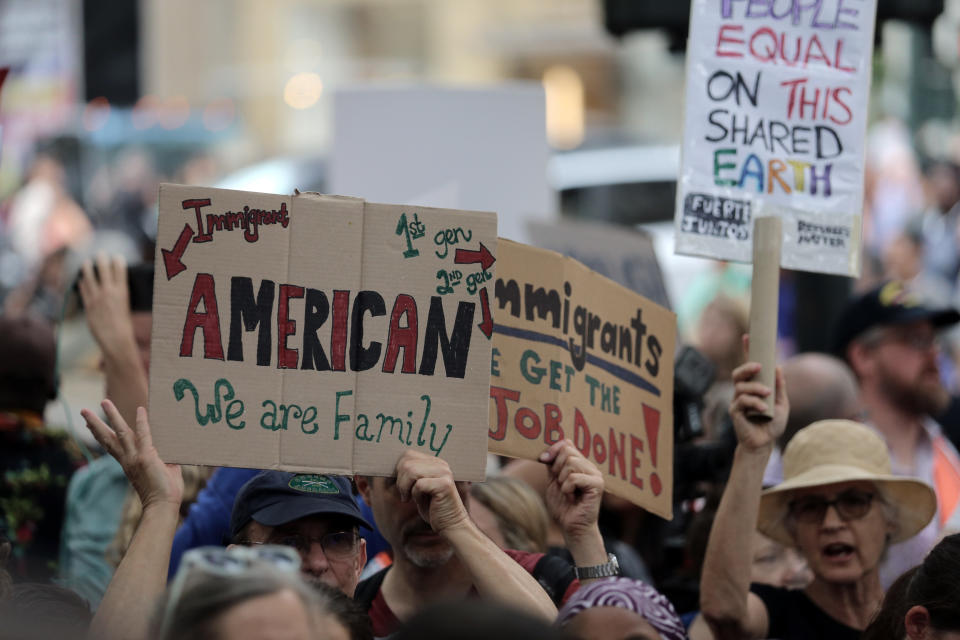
x: 274, y: 498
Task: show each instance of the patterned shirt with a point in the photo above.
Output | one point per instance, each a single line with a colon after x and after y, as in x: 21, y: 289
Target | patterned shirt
x: 36, y: 466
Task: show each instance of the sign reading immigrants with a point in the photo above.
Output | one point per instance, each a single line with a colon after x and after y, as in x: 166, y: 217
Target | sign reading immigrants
x: 575, y: 355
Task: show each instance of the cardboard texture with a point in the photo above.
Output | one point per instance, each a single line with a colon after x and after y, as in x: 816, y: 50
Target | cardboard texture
x: 319, y: 333
x: 578, y: 356
x: 764, y: 294
x: 623, y: 254
x: 775, y: 125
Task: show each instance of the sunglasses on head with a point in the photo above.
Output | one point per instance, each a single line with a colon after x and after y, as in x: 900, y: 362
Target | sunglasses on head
x: 850, y: 505
x: 235, y: 561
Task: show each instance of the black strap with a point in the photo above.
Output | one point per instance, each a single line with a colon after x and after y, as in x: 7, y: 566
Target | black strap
x: 368, y: 589
x: 555, y: 575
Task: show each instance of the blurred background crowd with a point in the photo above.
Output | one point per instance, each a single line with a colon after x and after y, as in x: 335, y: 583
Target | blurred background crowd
x: 104, y: 100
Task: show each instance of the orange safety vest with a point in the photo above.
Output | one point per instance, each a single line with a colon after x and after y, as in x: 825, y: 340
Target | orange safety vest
x: 946, y: 478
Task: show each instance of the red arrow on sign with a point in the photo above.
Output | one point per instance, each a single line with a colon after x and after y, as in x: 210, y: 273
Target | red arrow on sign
x: 487, y: 325
x: 171, y: 257
x: 483, y: 256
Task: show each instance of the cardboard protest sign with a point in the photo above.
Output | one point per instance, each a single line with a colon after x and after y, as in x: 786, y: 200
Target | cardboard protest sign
x: 319, y: 333
x: 623, y: 254
x: 776, y: 115
x: 578, y: 356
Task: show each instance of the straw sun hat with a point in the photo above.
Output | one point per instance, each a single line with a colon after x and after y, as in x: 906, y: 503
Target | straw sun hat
x: 832, y: 451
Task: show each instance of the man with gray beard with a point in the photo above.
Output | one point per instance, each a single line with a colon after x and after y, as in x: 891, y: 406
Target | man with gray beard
x: 889, y: 338
x: 439, y: 553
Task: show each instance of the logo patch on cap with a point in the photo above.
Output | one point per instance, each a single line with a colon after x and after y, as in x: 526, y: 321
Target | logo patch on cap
x: 312, y: 483
x: 894, y: 293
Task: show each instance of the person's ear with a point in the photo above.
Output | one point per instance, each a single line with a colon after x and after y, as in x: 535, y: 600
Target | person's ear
x: 916, y: 622
x: 361, y: 557
x: 858, y: 355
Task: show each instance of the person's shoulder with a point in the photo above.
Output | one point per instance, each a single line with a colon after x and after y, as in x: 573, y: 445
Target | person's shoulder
x: 102, y: 475
x: 776, y: 598
x: 104, y: 468
x: 766, y: 589
x: 792, y: 614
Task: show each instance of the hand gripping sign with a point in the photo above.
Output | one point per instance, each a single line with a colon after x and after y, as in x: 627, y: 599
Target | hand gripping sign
x: 578, y: 356
x: 773, y: 152
x: 320, y: 333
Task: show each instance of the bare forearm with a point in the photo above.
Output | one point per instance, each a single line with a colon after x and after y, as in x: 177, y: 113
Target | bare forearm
x: 140, y: 580
x: 126, y: 379
x: 725, y: 582
x: 495, y: 574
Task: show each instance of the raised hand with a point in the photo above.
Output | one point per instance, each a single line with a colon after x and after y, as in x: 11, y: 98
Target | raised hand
x: 575, y: 491
x: 753, y: 433
x: 155, y: 482
x: 106, y: 301
x: 429, y: 482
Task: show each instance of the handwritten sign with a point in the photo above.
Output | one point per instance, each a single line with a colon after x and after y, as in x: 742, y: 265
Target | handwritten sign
x: 776, y: 114
x: 319, y: 333
x: 577, y: 356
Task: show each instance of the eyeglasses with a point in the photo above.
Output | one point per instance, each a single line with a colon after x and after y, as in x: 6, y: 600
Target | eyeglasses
x: 336, y: 544
x: 235, y: 561
x: 850, y: 505
x: 916, y: 340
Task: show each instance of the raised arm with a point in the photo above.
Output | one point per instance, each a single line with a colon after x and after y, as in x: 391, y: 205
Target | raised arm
x: 573, y: 499
x: 141, y: 578
x: 428, y: 481
x: 725, y: 598
x: 106, y: 301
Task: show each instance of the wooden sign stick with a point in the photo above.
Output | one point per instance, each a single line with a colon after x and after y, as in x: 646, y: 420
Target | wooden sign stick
x: 764, y: 296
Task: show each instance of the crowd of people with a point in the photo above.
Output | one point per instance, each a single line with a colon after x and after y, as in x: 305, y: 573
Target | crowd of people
x: 839, y: 517
x: 836, y: 519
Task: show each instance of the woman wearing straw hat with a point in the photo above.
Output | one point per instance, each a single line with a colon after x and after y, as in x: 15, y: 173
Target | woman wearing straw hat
x: 838, y: 504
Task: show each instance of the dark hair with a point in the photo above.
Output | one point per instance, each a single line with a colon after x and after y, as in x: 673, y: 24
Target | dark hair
x: 887, y: 624
x: 932, y: 585
x: 35, y: 611
x: 935, y: 585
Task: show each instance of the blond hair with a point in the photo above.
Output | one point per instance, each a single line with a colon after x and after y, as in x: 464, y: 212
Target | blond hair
x: 520, y: 512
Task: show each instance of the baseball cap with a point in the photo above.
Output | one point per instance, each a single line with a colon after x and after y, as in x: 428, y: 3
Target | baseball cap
x: 274, y: 498
x: 890, y: 304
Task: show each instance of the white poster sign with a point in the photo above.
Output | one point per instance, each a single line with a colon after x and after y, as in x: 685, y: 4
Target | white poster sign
x: 776, y: 114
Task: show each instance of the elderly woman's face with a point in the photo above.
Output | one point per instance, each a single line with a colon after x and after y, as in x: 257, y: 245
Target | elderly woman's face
x: 840, y: 529
x: 610, y: 623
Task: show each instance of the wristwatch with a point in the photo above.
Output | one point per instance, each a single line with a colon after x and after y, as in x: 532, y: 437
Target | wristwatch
x: 607, y: 570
